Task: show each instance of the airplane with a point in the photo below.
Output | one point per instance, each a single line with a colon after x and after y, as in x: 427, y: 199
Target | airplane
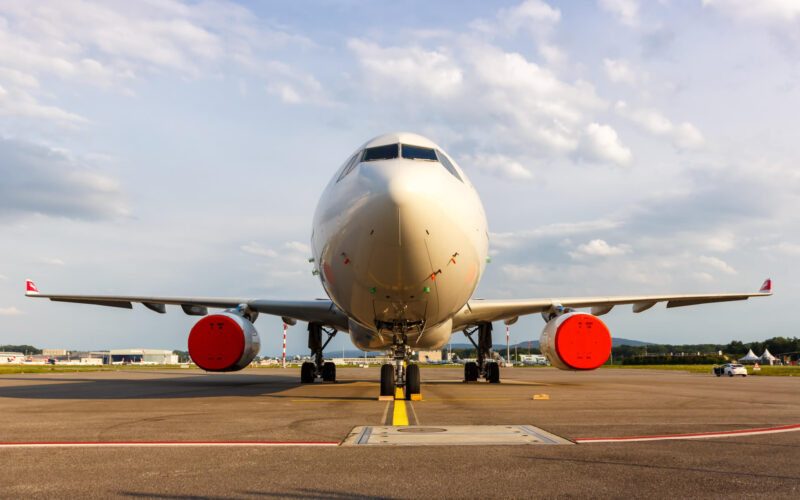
x: 399, y: 241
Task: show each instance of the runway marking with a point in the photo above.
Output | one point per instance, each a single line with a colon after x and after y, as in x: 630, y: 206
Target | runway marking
x: 151, y: 444
x: 325, y: 400
x: 399, y: 416
x: 465, y: 399
x: 699, y: 435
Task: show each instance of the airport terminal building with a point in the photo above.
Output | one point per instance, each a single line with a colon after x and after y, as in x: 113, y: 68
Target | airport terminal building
x: 143, y: 356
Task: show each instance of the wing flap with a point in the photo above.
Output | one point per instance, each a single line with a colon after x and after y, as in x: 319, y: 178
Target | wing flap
x: 108, y: 303
x: 318, y: 311
x: 498, y: 310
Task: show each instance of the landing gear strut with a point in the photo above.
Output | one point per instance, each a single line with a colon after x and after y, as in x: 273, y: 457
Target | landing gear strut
x: 489, y: 370
x: 400, y: 373
x: 318, y: 368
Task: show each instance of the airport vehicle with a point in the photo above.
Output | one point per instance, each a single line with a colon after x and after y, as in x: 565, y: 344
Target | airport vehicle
x: 730, y: 369
x: 400, y: 242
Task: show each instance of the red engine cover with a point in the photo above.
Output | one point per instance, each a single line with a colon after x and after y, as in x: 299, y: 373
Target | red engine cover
x: 583, y: 342
x: 216, y: 343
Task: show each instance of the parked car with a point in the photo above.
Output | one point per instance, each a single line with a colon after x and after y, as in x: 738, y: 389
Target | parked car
x: 730, y: 370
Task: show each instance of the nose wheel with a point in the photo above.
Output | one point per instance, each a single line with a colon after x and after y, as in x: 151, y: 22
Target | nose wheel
x: 387, y: 380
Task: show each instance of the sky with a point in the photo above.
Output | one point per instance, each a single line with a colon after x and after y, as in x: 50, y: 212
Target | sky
x: 179, y: 148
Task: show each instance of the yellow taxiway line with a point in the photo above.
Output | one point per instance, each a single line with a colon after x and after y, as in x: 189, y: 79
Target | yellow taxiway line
x: 400, y: 416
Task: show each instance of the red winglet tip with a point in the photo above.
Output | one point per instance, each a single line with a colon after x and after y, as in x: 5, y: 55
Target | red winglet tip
x: 30, y: 288
x: 767, y: 286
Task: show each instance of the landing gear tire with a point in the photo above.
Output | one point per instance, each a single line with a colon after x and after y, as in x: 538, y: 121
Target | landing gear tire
x: 387, y: 380
x: 328, y: 372
x: 493, y: 373
x: 412, y: 380
x: 470, y: 372
x: 307, y: 373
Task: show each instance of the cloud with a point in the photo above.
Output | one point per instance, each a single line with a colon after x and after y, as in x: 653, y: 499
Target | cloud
x: 603, y: 143
x: 598, y: 248
x: 298, y: 247
x: 3, y: 277
x: 528, y: 273
x: 10, y: 311
x: 410, y: 69
x: 626, y: 11
x: 111, y: 44
x: 620, y: 71
x: 717, y: 264
x: 684, y: 136
x: 557, y: 230
x: 52, y: 261
x: 498, y: 165
x: 769, y: 11
x: 37, y: 179
x: 254, y: 248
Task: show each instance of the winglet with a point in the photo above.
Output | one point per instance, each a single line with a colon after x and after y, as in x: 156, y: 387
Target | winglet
x: 766, y: 287
x: 31, y: 288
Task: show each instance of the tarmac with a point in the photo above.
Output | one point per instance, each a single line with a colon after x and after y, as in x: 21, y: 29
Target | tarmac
x: 259, y: 433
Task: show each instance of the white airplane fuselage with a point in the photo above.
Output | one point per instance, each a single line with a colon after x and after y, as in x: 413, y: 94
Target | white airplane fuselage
x: 400, y: 245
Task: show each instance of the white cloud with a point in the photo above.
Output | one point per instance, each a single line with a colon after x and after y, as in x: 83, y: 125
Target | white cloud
x: 499, y: 165
x: 10, y: 311
x: 626, y: 11
x: 770, y: 11
x: 529, y: 15
x: 603, y: 143
x: 43, y: 180
x: 717, y: 264
x: 687, y: 136
x: 528, y: 273
x: 111, y: 44
x: 621, y: 71
x: 298, y: 247
x: 684, y: 136
x: 254, y: 248
x: 52, y: 261
x: 534, y: 16
x: 598, y: 248
x: 550, y: 231
x: 410, y: 69
x: 3, y: 277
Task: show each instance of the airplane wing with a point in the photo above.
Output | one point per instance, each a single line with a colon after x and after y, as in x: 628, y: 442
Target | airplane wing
x: 319, y: 311
x: 480, y: 310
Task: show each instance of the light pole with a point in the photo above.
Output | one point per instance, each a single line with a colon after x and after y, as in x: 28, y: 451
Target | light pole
x: 284, y: 345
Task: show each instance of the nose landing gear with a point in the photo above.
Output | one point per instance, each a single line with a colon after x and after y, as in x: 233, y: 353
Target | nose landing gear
x: 401, y: 373
x: 489, y: 370
x: 318, y: 368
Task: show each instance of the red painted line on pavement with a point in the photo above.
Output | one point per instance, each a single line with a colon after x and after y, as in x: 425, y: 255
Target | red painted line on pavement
x: 98, y: 444
x: 699, y: 435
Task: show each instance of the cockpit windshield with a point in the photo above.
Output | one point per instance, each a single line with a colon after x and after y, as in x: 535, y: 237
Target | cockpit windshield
x: 418, y: 153
x: 381, y: 153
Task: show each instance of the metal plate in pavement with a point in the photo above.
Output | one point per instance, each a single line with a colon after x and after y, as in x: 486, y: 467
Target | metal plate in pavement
x: 450, y: 435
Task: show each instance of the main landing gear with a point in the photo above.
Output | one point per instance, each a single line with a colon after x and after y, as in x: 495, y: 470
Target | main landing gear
x: 489, y: 370
x: 318, y: 368
x: 400, y: 373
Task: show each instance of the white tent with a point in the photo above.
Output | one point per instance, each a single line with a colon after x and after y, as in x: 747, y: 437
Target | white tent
x: 767, y: 357
x: 749, y: 358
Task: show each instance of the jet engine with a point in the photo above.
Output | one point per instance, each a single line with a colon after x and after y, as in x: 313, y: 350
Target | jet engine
x: 576, y: 341
x: 223, y: 342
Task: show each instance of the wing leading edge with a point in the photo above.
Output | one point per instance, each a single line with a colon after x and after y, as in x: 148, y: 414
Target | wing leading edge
x: 319, y: 311
x: 479, y: 310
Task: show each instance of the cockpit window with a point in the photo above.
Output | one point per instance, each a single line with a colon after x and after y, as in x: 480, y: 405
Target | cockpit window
x: 381, y: 153
x: 418, y: 153
x: 448, y: 165
x: 351, y: 164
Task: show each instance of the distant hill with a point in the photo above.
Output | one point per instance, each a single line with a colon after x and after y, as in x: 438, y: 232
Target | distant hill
x: 535, y: 344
